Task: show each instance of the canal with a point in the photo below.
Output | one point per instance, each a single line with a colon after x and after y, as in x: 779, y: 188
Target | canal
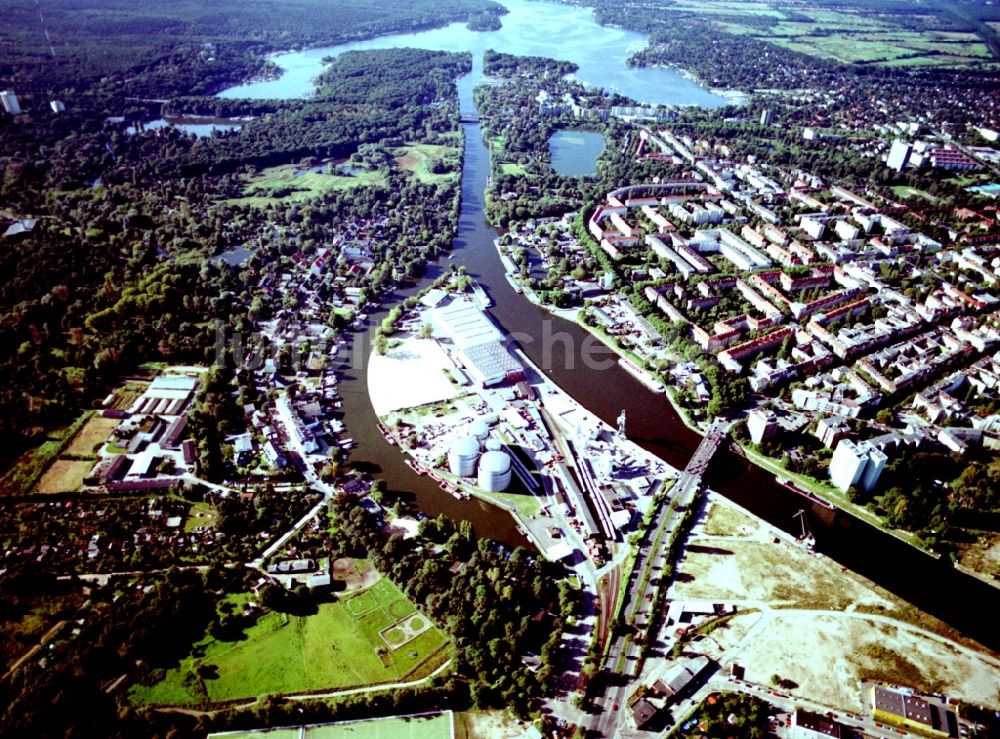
x: 934, y: 586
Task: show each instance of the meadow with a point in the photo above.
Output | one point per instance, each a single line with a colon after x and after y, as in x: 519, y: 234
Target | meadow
x: 341, y: 646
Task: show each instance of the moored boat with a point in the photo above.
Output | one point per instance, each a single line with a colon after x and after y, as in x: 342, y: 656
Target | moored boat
x: 811, y: 497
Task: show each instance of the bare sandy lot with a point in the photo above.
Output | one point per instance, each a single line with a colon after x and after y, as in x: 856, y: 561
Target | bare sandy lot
x: 828, y: 656
x: 409, y: 375
x: 733, y: 557
x: 817, y: 625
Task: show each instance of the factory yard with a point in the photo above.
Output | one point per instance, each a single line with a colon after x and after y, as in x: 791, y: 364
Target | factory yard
x: 411, y: 373
x: 822, y: 631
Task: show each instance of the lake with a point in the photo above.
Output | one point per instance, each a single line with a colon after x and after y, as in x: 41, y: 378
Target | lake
x: 200, y: 127
x: 574, y: 153
x: 530, y: 28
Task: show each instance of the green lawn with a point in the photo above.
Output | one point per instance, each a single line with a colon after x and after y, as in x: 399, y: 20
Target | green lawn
x: 906, y: 192
x: 208, y: 516
x: 511, y: 168
x: 417, y: 158
x: 281, y: 654
x: 282, y: 185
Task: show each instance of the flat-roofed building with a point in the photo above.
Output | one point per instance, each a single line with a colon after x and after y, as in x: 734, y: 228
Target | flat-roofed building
x: 907, y: 711
x: 480, y: 342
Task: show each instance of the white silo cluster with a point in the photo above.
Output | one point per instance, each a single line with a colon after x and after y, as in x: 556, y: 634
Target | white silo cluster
x: 494, y: 471
x: 494, y: 466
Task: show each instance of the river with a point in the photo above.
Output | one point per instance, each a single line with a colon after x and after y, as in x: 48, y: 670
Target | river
x: 964, y: 602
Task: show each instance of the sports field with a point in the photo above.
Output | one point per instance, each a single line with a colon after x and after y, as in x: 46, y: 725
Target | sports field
x: 423, y: 726
x: 373, y: 636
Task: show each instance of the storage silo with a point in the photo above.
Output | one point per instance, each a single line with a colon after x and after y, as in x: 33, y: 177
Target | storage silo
x: 494, y: 471
x: 493, y: 445
x: 480, y: 430
x: 462, y: 456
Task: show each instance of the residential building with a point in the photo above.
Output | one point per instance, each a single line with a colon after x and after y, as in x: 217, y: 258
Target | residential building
x: 762, y: 425
x: 856, y: 464
x: 831, y: 429
x: 899, y: 155
x: 9, y: 101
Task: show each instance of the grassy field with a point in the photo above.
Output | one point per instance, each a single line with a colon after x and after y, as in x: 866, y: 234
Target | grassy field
x: 417, y: 158
x: 341, y: 646
x: 90, y: 438
x: 201, y: 514
x: 24, y: 474
x: 511, y: 168
x: 905, y: 192
x: 282, y: 185
x: 843, y: 34
x: 64, y: 476
x: 425, y: 726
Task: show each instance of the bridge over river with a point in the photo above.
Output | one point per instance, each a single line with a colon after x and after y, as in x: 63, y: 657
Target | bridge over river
x: 651, y: 559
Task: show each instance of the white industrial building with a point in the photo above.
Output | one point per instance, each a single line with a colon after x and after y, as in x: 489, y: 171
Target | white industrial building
x: 167, y: 395
x: 856, y: 464
x: 479, y: 341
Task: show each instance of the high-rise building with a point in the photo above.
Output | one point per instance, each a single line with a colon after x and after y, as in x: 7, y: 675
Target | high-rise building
x: 856, y: 464
x: 762, y: 425
x: 766, y: 116
x: 847, y: 464
x: 899, y: 155
x: 10, y: 104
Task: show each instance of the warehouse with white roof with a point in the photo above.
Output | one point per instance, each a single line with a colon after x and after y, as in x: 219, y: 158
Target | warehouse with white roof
x: 479, y: 342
